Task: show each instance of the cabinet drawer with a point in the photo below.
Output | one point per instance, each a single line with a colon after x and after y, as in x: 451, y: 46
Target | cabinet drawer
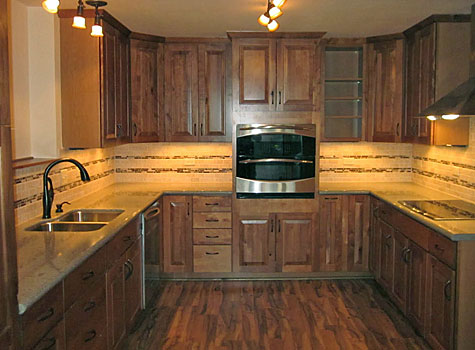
x: 212, y: 258
x: 42, y: 316
x: 86, y: 321
x: 81, y: 280
x: 212, y: 220
x: 443, y: 248
x: 211, y: 203
x: 122, y: 241
x: 54, y: 340
x: 211, y: 236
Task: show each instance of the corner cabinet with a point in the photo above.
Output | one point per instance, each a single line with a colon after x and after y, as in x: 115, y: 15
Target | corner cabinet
x: 198, y: 93
x: 95, y: 83
x: 274, y: 73
x: 385, y: 88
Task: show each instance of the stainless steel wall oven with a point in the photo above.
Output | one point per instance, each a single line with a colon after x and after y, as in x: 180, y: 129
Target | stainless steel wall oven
x: 275, y: 161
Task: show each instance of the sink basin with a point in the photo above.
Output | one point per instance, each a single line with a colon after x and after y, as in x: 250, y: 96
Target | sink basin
x: 90, y: 215
x: 65, y: 227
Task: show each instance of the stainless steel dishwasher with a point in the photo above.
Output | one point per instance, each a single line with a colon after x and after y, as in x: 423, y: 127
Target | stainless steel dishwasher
x: 151, y: 223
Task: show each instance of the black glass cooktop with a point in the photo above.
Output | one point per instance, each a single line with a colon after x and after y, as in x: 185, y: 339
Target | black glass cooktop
x: 443, y: 209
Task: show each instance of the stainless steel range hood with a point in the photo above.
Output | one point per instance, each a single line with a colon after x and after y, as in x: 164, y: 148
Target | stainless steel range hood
x: 461, y: 100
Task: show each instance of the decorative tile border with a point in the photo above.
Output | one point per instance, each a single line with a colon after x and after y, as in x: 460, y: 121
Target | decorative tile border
x: 209, y: 157
x: 172, y: 170
x: 366, y: 170
x: 448, y: 179
x: 445, y: 162
x: 365, y: 157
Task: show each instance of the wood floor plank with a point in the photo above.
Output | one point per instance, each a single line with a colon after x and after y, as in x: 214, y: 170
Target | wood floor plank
x: 272, y: 315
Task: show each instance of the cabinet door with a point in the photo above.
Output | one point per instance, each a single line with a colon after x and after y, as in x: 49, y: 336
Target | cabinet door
x: 116, y: 303
x: 296, y: 70
x: 122, y: 88
x: 295, y: 241
x: 358, y: 233
x: 177, y: 234
x: 440, y: 305
x: 181, y: 94
x: 133, y: 283
x: 386, y: 90
x: 53, y: 340
x: 375, y: 241
x: 109, y: 81
x: 254, y: 244
x: 144, y: 90
x: 330, y: 235
x: 254, y: 75
x: 4, y: 70
x: 386, y: 277
x: 214, y: 92
x: 400, y: 270
x: 416, y: 285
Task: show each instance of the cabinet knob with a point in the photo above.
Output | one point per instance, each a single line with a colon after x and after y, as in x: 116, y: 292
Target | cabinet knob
x: 272, y: 96
x: 446, y: 290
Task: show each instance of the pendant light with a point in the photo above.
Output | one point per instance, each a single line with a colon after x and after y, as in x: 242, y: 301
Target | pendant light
x: 51, y: 5
x: 273, y: 11
x: 79, y: 21
x: 273, y: 26
x: 278, y: 3
x: 96, y: 30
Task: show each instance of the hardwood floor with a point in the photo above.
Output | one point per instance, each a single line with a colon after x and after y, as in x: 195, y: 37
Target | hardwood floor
x: 275, y: 315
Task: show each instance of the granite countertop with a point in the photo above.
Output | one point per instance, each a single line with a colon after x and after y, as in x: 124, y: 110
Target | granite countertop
x: 46, y: 258
x: 392, y: 193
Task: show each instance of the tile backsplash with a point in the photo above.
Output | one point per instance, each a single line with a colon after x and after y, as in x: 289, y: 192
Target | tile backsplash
x: 450, y: 169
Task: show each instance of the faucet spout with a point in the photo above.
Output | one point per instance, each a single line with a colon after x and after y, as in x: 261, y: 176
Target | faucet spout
x: 48, y: 192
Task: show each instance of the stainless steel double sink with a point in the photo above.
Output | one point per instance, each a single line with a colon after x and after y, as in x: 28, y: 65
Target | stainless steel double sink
x: 81, y: 220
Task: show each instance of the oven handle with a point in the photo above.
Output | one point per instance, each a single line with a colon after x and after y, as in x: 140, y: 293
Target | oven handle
x: 279, y: 160
x: 274, y: 126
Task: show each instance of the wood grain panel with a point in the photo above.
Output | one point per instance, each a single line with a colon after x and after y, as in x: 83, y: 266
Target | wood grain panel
x: 358, y: 233
x: 53, y: 340
x: 110, y: 78
x: 115, y: 304
x: 212, y: 258
x: 386, y: 278
x: 4, y: 66
x: 401, y: 267
x: 181, y: 95
x: 211, y: 203
x: 212, y: 220
x: 330, y: 235
x: 417, y: 286
x: 211, y: 236
x: 133, y: 283
x: 443, y: 248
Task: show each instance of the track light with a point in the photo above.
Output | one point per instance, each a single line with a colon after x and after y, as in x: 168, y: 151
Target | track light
x: 264, y: 19
x: 275, y: 12
x: 450, y: 116
x: 51, y: 5
x: 267, y: 19
x: 79, y: 21
x: 432, y: 117
x: 278, y: 3
x: 96, y: 29
x: 273, y: 26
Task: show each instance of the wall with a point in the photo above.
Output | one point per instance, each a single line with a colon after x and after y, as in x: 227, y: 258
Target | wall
x: 449, y: 169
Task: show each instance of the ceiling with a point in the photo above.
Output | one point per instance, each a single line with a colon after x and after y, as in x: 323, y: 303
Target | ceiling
x: 212, y: 18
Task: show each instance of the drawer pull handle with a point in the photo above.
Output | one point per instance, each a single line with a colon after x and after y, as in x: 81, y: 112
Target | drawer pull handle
x: 212, y: 253
x: 439, y: 248
x: 50, y: 344
x: 446, y: 289
x: 212, y: 204
x: 406, y: 255
x: 212, y: 220
x: 130, y: 267
x: 388, y: 236
x: 331, y: 198
x: 127, y: 239
x: 91, y: 336
x: 152, y: 213
x: 88, y: 275
x: 212, y: 236
x: 48, y: 314
x: 91, y: 305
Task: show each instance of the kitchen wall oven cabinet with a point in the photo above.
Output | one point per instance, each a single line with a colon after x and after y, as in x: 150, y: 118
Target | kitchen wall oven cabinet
x: 198, y: 91
x: 272, y: 73
x: 433, y: 70
x: 385, y: 88
x: 147, y: 88
x: 95, y: 83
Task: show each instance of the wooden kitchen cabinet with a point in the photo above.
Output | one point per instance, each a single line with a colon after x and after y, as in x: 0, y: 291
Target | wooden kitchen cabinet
x: 441, y: 297
x: 133, y: 283
x: 53, y: 340
x: 100, y: 116
x: 432, y: 70
x: 416, y: 258
x: 343, y: 235
x: 385, y: 88
x: 177, y: 234
x: 273, y: 73
x: 146, y: 71
x: 386, y: 278
x: 116, y: 301
x: 401, y: 262
x: 197, y: 98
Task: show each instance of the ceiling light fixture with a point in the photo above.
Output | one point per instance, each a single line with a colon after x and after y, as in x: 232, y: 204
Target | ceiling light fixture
x: 51, y: 5
x: 450, y: 116
x: 97, y: 27
x: 432, y: 117
x: 267, y: 19
x: 79, y: 21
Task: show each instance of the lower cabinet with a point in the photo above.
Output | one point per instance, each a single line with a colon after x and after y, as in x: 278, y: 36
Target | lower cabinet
x: 133, y: 283
x: 53, y: 340
x: 343, y: 235
x: 440, y: 305
x: 416, y: 258
x: 275, y: 243
x: 116, y: 303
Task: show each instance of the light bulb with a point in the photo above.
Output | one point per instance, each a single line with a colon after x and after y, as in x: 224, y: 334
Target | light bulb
x: 79, y: 22
x: 450, y: 116
x: 275, y: 12
x: 264, y: 19
x: 51, y: 5
x: 97, y: 30
x: 278, y: 3
x: 273, y: 26
x: 432, y: 117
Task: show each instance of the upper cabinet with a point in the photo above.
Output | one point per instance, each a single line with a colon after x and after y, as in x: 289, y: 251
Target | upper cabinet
x: 274, y: 73
x: 344, y: 90
x: 146, y: 71
x: 95, y: 83
x: 198, y: 91
x: 433, y: 70
x: 385, y: 88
